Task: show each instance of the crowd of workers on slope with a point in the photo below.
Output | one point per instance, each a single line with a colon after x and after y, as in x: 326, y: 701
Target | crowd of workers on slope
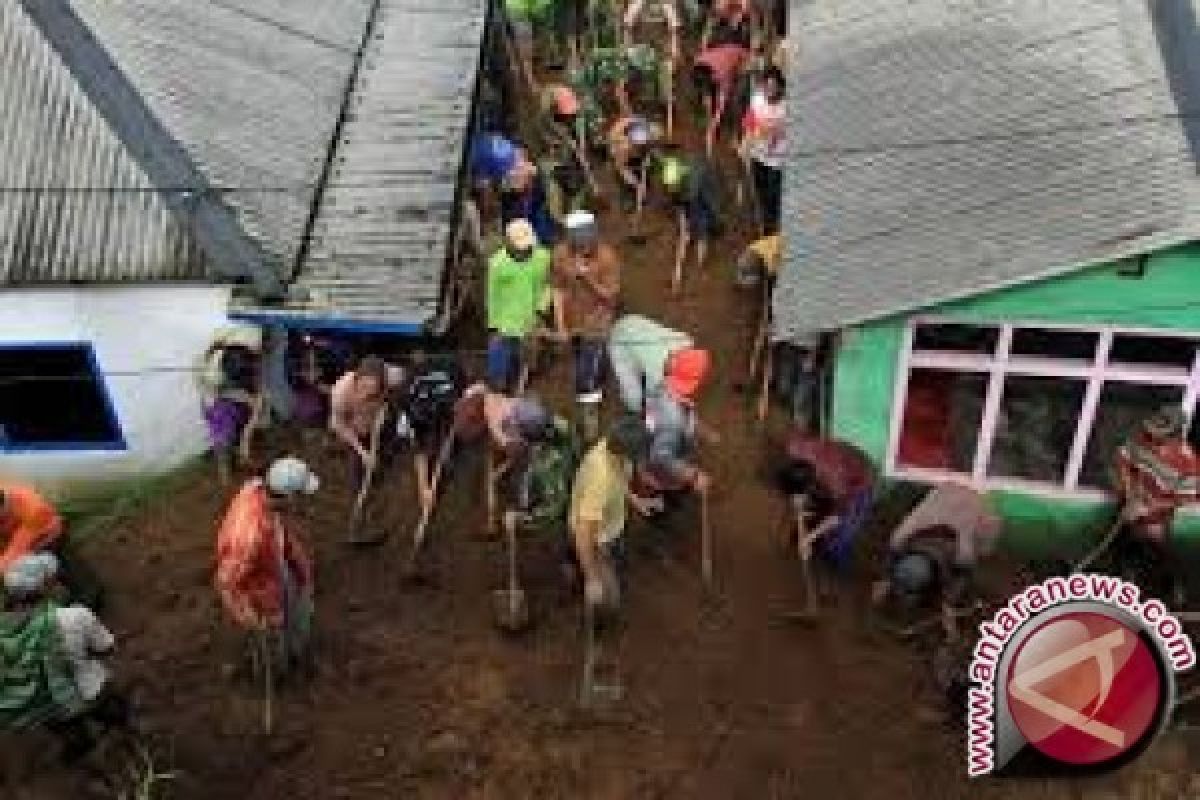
x: 555, y: 280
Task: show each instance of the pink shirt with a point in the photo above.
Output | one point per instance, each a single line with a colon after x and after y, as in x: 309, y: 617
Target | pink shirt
x: 725, y: 61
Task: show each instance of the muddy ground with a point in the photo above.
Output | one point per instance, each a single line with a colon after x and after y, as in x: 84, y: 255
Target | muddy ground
x: 416, y: 694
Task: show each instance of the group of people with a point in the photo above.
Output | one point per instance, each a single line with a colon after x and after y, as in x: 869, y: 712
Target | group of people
x: 933, y: 556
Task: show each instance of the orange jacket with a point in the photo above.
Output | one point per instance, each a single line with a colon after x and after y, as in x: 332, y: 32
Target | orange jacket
x: 252, y: 548
x: 27, y: 523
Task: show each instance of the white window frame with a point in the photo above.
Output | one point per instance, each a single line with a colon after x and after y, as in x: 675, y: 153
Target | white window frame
x: 1001, y: 364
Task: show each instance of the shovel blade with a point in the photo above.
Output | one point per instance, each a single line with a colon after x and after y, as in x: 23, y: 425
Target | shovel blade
x: 511, y: 609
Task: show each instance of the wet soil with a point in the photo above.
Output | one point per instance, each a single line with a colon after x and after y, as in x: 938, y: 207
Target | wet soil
x: 416, y: 694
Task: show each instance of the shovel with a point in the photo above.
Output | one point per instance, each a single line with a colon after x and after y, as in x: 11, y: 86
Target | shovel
x: 427, y: 513
x: 1101, y: 548
x: 510, y: 606
x: 706, y: 545
x: 637, y: 237
x: 592, y: 692
x: 352, y: 534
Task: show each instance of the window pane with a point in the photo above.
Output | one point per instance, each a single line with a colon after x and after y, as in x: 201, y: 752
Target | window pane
x: 1159, y: 350
x: 1123, y: 406
x: 52, y: 397
x: 1036, y: 427
x: 956, y: 338
x: 941, y: 420
x: 1055, y: 344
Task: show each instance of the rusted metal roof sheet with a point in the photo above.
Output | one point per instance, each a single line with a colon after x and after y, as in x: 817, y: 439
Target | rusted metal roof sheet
x: 74, y: 206
x: 384, y: 220
x: 944, y: 148
x: 251, y: 89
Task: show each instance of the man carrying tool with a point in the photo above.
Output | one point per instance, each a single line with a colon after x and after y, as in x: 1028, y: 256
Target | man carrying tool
x: 428, y: 405
x: 514, y: 426
x: 530, y: 192
x: 586, y: 280
x: 665, y: 22
x: 674, y: 429
x: 1156, y: 473
x: 565, y: 137
x: 828, y: 484
x: 526, y: 19
x: 52, y: 662
x: 639, y: 351
x: 933, y: 555
x: 763, y: 146
x: 230, y: 378
x: 691, y: 184
x: 630, y: 140
x: 517, y: 294
x: 358, y: 403
x: 601, y: 490
x: 716, y: 72
x: 264, y: 576
x: 28, y: 522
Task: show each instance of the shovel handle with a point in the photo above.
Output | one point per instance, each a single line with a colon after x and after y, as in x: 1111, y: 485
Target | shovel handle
x: 1101, y: 548
x: 706, y: 556
x: 376, y: 433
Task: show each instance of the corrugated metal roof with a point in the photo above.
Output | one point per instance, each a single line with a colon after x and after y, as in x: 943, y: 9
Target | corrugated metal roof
x: 944, y: 148
x: 74, y: 206
x: 252, y: 90
x: 384, y: 220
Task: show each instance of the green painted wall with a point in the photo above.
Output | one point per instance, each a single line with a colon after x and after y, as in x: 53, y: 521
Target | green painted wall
x: 1168, y: 297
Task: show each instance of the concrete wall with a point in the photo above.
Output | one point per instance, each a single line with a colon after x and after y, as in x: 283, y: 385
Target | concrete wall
x: 868, y: 357
x: 147, y: 339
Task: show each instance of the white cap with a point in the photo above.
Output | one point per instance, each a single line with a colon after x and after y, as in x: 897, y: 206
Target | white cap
x: 29, y: 574
x: 580, y: 219
x: 290, y: 475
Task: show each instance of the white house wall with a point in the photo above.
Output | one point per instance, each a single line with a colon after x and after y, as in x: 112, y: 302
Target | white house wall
x: 147, y: 340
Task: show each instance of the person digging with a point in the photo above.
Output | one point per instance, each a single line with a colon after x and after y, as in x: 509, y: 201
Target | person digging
x: 358, y: 418
x: 53, y: 670
x: 586, y: 281
x: 934, y: 554
x: 231, y: 386
x: 536, y: 501
x: 29, y: 523
x: 427, y: 420
x: 669, y: 468
x: 600, y: 497
x: 517, y: 294
x: 264, y: 575
x: 639, y: 352
x: 1156, y: 473
x: 691, y: 184
x: 828, y: 486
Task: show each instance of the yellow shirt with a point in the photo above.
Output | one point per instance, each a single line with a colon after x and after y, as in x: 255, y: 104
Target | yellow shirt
x: 770, y: 250
x: 599, y: 492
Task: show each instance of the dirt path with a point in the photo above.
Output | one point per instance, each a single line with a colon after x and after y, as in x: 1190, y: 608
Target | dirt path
x: 417, y: 695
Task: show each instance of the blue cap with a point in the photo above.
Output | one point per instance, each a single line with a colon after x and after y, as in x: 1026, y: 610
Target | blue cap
x: 492, y: 157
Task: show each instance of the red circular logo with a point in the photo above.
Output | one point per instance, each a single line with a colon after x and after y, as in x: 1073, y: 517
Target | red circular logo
x: 1084, y: 688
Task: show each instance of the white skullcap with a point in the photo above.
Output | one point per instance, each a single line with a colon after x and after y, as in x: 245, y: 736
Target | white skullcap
x: 580, y: 219
x: 290, y: 475
x: 29, y: 574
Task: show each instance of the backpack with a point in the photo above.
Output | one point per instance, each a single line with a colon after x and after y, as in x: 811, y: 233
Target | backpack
x: 546, y: 489
x: 432, y: 395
